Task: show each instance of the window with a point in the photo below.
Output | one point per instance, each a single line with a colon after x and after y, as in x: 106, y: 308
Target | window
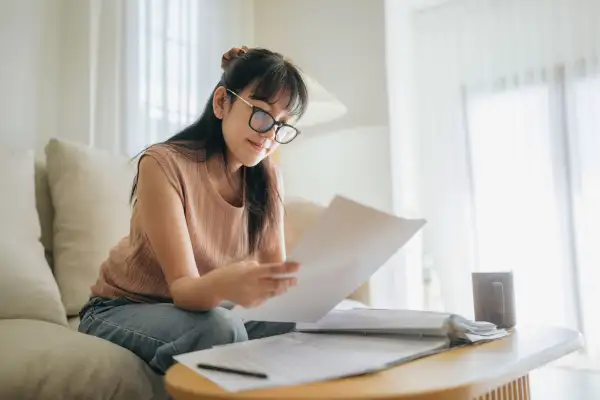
x: 516, y: 210
x: 171, y: 67
x: 168, y: 44
x: 535, y: 173
x: 585, y: 122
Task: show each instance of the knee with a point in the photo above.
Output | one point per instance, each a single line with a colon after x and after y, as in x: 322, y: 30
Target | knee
x: 199, y: 331
x: 219, y: 327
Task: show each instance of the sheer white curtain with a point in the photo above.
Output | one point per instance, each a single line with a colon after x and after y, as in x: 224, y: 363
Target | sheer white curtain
x: 174, y: 49
x: 507, y: 116
x: 105, y: 73
x: 153, y: 64
x: 584, y: 109
x: 520, y: 220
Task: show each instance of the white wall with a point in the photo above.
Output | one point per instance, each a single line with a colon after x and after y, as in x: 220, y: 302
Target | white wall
x: 45, y: 70
x: 346, y: 162
x: 28, y: 70
x: 45, y: 47
x: 340, y: 43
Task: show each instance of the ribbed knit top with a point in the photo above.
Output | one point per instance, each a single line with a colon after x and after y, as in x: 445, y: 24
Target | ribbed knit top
x: 217, y: 229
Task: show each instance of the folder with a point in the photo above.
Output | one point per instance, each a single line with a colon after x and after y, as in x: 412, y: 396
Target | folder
x: 452, y: 327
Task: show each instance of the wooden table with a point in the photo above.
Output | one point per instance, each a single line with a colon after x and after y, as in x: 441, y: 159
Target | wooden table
x: 496, y: 370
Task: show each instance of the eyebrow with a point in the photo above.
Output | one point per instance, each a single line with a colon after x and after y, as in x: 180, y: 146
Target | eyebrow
x: 269, y: 109
x: 269, y: 106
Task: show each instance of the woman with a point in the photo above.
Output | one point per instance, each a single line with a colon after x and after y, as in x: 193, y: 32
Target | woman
x: 207, y: 222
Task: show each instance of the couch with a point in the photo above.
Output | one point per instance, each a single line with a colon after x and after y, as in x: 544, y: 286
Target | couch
x: 60, y: 213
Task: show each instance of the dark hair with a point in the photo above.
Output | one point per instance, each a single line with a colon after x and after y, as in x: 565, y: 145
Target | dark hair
x: 271, y: 77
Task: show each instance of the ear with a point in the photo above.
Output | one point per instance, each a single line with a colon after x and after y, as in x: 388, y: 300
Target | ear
x: 220, y: 101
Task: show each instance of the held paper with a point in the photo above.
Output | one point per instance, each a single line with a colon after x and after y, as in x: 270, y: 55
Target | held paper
x: 347, y: 244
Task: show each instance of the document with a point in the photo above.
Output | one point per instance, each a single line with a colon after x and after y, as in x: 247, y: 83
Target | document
x: 297, y: 358
x: 348, y: 243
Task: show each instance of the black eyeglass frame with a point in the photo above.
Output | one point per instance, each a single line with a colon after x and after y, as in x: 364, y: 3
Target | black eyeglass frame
x: 256, y: 109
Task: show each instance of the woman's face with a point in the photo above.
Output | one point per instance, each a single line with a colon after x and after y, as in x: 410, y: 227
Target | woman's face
x: 246, y: 145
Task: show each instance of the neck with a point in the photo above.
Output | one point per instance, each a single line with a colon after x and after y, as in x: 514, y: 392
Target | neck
x: 233, y: 166
x: 228, y: 182
x: 216, y: 163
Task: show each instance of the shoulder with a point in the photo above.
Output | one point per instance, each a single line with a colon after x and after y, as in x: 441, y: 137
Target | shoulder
x: 174, y: 153
x: 173, y: 161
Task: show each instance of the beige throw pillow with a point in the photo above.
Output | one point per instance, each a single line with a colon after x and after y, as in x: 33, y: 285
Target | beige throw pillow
x: 90, y: 192
x: 45, y: 208
x: 27, y: 288
x: 300, y: 214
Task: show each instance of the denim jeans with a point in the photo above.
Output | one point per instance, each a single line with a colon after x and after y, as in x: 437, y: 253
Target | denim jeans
x: 158, y: 331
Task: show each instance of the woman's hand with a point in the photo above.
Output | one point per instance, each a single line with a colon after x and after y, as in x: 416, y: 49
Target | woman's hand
x: 250, y: 284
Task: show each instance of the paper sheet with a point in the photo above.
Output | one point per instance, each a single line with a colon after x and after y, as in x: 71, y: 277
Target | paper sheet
x: 297, y: 358
x: 347, y: 244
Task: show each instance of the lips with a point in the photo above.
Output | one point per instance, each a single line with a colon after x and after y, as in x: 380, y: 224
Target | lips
x: 258, y: 146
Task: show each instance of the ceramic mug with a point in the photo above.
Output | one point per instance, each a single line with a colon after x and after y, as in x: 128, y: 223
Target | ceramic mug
x: 494, y: 298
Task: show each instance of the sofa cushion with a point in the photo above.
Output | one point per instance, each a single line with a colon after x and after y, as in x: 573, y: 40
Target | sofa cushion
x: 44, y: 205
x: 300, y: 214
x: 27, y: 287
x: 90, y: 193
x: 53, y: 362
x: 74, y: 323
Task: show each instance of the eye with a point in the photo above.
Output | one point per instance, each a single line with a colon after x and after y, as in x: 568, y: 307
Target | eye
x: 286, y: 134
x: 261, y: 121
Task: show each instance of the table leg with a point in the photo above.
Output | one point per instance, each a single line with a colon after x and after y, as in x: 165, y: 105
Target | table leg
x: 514, y: 390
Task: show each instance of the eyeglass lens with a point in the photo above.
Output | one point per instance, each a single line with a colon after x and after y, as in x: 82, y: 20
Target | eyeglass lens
x: 262, y: 122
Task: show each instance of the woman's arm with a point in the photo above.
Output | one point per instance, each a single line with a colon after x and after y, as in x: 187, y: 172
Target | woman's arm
x: 163, y: 220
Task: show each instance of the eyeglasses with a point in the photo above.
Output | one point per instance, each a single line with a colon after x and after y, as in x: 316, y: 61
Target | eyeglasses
x: 261, y: 121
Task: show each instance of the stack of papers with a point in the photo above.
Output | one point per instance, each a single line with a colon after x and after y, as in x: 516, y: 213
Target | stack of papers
x: 297, y: 358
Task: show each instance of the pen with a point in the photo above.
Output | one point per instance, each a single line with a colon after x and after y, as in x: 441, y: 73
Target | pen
x: 233, y: 371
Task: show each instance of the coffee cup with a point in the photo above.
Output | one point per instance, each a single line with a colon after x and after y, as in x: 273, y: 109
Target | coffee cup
x: 494, y: 298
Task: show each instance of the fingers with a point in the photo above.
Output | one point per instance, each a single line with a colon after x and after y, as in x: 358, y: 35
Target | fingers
x: 268, y: 280
x: 275, y: 287
x: 249, y: 263
x: 268, y: 288
x: 272, y: 270
x: 282, y: 287
x: 276, y: 284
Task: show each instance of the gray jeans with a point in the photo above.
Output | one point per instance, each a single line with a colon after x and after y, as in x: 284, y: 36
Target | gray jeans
x: 157, y: 332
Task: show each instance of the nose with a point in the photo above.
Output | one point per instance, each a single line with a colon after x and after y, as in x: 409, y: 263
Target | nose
x: 271, y: 133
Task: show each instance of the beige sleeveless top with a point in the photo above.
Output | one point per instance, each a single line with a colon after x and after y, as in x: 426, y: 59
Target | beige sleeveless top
x: 217, y: 229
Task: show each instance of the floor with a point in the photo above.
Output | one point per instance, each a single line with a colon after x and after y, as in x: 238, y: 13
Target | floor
x: 564, y: 384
